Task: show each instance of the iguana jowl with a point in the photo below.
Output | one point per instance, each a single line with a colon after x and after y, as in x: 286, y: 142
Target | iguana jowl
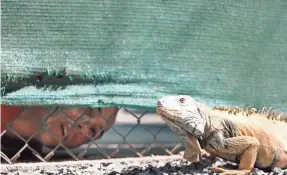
x: 250, y: 138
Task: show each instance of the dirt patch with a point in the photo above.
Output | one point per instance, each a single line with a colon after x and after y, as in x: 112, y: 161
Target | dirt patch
x: 153, y: 165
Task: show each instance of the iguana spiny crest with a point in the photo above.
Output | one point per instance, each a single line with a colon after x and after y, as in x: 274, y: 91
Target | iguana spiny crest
x: 263, y: 112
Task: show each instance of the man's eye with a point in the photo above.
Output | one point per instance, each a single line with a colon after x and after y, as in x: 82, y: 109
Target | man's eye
x: 93, y: 131
x: 182, y: 100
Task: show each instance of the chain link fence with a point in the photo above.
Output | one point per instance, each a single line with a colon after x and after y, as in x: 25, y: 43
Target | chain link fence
x: 65, y: 133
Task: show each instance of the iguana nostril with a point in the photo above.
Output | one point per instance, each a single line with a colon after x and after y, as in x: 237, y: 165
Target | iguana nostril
x: 159, y: 103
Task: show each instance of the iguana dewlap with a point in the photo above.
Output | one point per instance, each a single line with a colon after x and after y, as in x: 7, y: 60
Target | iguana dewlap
x: 250, y: 138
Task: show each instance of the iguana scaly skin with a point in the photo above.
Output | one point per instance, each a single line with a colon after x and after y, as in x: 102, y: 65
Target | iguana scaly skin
x: 250, y: 138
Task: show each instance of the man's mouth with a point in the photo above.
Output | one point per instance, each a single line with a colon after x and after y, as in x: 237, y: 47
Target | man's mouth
x: 64, y: 130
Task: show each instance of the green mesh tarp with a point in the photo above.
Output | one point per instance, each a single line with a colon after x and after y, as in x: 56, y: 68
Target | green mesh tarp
x: 130, y: 52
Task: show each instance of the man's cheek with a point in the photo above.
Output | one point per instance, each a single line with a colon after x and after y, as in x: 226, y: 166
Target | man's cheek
x: 49, y: 140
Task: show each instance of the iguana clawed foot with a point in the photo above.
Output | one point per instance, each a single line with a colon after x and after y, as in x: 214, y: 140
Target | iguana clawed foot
x: 223, y: 171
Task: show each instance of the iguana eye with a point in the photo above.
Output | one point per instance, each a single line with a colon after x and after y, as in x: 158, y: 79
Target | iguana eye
x: 182, y: 100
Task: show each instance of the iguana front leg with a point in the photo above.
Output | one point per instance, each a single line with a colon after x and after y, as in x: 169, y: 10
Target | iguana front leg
x: 244, y: 146
x: 193, y: 150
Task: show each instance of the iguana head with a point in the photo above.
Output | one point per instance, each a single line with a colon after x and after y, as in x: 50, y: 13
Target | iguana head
x: 182, y: 114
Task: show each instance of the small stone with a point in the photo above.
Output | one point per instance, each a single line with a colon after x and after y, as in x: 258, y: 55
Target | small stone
x: 145, y: 173
x: 199, y: 166
x: 106, y: 164
x: 164, y: 169
x: 255, y: 171
x: 131, y: 170
x: 168, y: 165
x: 155, y: 171
x: 113, y: 173
x: 49, y: 172
x: 276, y: 171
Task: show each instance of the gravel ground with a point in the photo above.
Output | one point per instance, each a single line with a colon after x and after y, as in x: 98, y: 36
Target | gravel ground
x: 154, y: 165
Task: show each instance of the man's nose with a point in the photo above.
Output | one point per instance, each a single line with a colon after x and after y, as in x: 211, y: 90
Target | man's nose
x: 93, y: 130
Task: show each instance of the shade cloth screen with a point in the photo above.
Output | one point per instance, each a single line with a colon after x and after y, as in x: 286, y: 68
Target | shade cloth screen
x: 131, y: 52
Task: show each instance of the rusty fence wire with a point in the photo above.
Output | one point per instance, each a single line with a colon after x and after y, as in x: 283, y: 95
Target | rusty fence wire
x: 63, y: 133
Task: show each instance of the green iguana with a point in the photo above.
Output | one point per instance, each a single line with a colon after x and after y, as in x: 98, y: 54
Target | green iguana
x: 250, y: 138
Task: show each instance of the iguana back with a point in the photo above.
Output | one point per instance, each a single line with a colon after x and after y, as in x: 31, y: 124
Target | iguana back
x: 271, y: 122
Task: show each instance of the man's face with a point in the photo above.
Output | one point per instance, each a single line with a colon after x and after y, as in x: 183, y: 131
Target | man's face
x: 70, y: 126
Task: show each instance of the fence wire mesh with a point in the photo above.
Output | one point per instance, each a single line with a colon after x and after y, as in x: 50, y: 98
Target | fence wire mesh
x: 57, y: 133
